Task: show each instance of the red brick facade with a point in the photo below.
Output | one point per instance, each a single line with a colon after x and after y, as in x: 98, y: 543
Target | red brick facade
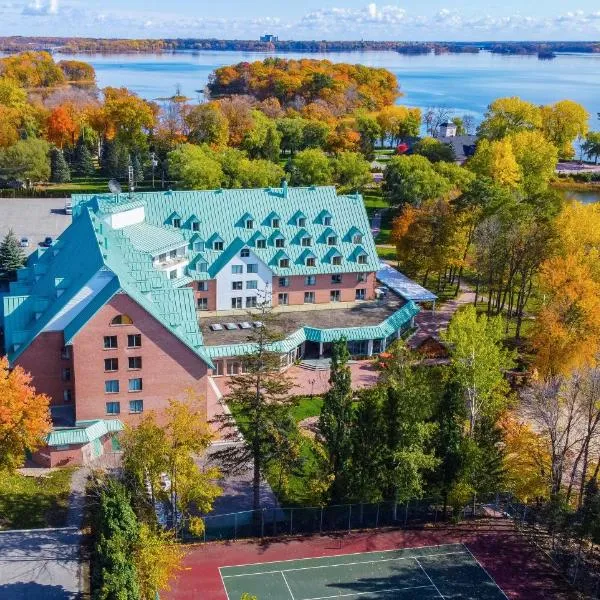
x: 52, y: 373
x: 210, y: 293
x: 169, y: 367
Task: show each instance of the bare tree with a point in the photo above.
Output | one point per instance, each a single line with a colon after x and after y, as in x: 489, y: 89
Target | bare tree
x: 434, y: 117
x: 566, y: 411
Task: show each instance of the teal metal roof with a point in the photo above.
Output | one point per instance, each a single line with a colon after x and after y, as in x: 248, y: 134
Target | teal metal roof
x: 53, y: 281
x: 153, y: 239
x: 221, y: 214
x: 83, y: 432
x: 391, y: 325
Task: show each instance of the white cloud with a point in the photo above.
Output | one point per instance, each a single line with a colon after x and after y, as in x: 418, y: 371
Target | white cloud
x: 371, y: 21
x: 41, y: 7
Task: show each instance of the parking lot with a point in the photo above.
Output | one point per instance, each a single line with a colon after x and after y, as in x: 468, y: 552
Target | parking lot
x: 33, y: 218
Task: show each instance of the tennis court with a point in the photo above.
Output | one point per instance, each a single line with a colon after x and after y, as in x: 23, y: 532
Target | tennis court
x: 447, y: 571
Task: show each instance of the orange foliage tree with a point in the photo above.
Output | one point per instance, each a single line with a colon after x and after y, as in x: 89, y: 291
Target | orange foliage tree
x: 61, y: 129
x: 24, y: 416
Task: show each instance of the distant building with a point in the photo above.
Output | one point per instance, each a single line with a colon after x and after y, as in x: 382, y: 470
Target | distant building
x: 447, y: 129
x: 269, y: 38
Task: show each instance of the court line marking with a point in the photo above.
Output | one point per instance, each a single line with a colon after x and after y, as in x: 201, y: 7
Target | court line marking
x: 223, y: 582
x: 350, y: 564
x: 485, y: 571
x: 347, y: 554
x: 431, y: 580
x: 287, y: 585
x: 415, y: 587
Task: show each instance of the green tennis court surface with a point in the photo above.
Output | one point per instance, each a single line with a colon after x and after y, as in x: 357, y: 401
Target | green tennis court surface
x: 448, y: 571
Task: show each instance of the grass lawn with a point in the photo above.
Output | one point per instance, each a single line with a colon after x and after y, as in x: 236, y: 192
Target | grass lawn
x: 375, y: 201
x: 307, y: 407
x: 33, y: 502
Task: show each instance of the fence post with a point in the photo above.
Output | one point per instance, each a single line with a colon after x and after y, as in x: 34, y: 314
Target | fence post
x: 377, y: 516
x: 262, y: 523
x: 321, y: 522
x: 349, y: 517
x: 406, y: 513
x: 291, y: 519
x: 235, y: 526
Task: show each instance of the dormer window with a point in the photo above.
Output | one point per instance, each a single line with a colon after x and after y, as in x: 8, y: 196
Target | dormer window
x: 331, y: 240
x: 249, y: 224
x: 275, y: 222
x: 245, y: 253
x: 218, y: 246
x: 362, y: 259
x: 301, y: 222
x: 327, y: 221
x: 284, y: 263
x: 279, y: 242
x: 306, y: 241
x: 199, y: 246
x: 262, y: 244
x: 176, y: 222
x: 195, y: 226
x: 336, y: 260
x: 310, y: 261
x: 357, y: 238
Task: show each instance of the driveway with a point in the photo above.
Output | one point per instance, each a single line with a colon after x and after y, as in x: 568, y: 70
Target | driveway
x: 40, y: 564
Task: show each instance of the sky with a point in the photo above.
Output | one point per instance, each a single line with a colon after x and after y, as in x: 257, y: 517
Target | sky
x: 307, y: 19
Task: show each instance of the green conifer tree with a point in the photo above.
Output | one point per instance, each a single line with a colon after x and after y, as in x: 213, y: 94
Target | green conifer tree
x: 335, y: 422
x: 83, y: 162
x: 60, y: 172
x: 12, y: 256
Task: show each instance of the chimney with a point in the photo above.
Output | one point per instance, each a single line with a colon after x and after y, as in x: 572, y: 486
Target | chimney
x: 284, y: 188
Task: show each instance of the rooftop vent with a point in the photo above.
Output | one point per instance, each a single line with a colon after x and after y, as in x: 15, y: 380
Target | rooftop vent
x: 245, y: 325
x: 216, y: 327
x: 230, y: 326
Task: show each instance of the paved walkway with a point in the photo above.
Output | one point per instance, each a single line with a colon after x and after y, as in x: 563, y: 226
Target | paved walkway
x: 76, y: 510
x: 431, y: 323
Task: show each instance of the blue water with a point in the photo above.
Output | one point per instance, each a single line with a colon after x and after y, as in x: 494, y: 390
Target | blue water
x: 464, y: 83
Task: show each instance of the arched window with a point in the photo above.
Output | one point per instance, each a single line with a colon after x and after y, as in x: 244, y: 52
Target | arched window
x: 122, y: 320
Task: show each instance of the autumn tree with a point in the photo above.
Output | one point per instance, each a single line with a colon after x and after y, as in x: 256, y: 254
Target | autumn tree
x: 562, y: 123
x: 60, y: 127
x: 128, y: 117
x: 508, y: 116
x: 263, y: 139
x: 32, y: 69
x: 434, y: 150
x: 536, y: 157
x: 238, y: 112
x: 397, y: 123
x: 259, y: 398
x: 478, y: 363
x: 173, y: 448
x: 496, y: 160
x: 207, y: 125
x: 24, y: 416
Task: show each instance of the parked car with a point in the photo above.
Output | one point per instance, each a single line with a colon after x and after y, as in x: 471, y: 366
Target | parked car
x: 47, y: 242
x: 24, y: 243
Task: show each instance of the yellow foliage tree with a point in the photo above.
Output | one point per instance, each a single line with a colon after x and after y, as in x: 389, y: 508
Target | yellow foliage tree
x: 562, y: 123
x: 497, y: 161
x: 536, y: 157
x: 157, y: 559
x: 526, y: 459
x: 507, y: 116
x: 567, y: 330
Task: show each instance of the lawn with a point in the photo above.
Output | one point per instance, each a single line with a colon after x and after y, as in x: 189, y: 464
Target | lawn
x: 33, y: 502
x: 375, y: 201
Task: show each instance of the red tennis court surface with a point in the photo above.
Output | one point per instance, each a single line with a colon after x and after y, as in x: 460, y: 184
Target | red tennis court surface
x: 518, y: 568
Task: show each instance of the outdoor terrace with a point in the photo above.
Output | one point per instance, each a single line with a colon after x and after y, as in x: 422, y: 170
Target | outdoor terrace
x: 292, y: 318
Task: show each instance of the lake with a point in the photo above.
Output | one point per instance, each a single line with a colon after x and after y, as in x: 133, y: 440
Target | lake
x: 585, y: 197
x: 463, y: 83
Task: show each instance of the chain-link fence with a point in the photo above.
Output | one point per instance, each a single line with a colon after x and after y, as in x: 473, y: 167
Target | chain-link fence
x: 276, y: 522
x: 555, y: 533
